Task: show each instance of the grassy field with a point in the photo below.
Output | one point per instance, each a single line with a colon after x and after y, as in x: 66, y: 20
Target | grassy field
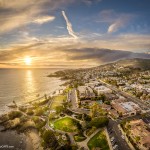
x: 66, y: 124
x: 57, y: 101
x: 98, y: 140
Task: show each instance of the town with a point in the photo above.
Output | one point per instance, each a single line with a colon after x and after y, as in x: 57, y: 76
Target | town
x: 106, y: 107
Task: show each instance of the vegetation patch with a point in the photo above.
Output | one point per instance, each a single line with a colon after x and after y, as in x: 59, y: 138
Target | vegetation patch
x: 67, y: 124
x: 58, y: 100
x: 98, y: 140
x: 79, y: 138
x: 99, y: 122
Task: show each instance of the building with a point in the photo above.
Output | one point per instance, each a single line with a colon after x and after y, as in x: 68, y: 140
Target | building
x: 140, y: 133
x: 105, y: 107
x: 113, y: 113
x: 102, y: 90
x: 93, y: 84
x: 86, y: 92
x: 82, y: 90
x: 125, y: 108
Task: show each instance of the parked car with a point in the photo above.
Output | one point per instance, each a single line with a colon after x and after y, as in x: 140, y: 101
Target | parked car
x: 122, y: 136
x: 113, y: 142
x: 112, y: 139
x: 115, y: 147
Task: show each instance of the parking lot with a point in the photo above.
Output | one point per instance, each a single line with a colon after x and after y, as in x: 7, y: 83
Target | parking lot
x: 116, y: 137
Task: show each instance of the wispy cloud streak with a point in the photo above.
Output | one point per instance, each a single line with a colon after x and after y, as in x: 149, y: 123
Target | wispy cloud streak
x: 69, y: 26
x: 44, y: 19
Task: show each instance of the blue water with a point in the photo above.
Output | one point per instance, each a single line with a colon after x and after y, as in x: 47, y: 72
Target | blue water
x: 23, y: 85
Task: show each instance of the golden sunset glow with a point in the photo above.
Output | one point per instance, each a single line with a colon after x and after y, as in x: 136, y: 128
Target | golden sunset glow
x: 28, y: 60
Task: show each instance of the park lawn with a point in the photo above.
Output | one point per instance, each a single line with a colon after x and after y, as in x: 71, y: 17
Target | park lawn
x: 58, y: 100
x: 66, y: 124
x: 99, y: 140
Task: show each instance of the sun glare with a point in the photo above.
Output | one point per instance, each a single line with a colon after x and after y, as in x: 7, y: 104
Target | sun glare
x: 28, y: 60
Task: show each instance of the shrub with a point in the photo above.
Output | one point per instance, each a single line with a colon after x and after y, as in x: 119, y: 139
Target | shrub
x: 99, y: 122
x: 14, y: 114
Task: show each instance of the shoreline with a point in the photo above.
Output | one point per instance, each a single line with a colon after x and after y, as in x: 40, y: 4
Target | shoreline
x: 31, y: 139
x: 6, y: 109
x: 27, y: 87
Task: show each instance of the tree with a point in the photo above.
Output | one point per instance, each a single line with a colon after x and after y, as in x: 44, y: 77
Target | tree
x: 30, y: 112
x: 49, y: 140
x: 14, y: 114
x: 39, y: 112
x: 94, y: 110
x: 59, y: 109
x: 107, y: 102
x: 65, y: 105
x: 99, y: 122
x: 102, y: 97
x: 45, y: 97
x: 86, y: 117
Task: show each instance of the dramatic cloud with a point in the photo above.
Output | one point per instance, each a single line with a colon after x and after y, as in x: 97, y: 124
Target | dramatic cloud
x: 44, y: 19
x: 15, y: 14
x: 69, y: 26
x: 102, y: 55
x: 73, y: 52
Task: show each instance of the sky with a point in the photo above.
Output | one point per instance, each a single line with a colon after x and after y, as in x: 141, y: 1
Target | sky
x: 72, y: 33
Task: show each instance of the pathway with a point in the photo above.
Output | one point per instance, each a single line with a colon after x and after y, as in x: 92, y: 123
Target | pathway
x: 84, y: 143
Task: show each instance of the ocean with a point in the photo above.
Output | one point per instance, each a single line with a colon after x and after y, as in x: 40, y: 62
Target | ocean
x: 23, y: 85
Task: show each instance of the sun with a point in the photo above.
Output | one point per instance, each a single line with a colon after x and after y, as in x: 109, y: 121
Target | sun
x: 28, y: 60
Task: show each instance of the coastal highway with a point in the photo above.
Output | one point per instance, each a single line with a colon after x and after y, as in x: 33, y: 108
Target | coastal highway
x: 126, y: 95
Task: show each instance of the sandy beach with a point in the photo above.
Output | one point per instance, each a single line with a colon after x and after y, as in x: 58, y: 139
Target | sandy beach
x: 12, y: 140
x: 33, y: 141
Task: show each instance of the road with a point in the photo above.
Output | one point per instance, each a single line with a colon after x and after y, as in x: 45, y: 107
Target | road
x: 116, y: 133
x: 74, y: 102
x: 126, y: 95
x: 74, y: 99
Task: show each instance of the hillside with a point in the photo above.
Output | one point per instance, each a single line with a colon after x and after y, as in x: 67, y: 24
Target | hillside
x: 133, y: 63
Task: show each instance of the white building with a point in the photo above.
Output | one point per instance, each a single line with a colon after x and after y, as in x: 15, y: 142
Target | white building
x: 85, y: 92
x: 102, y: 90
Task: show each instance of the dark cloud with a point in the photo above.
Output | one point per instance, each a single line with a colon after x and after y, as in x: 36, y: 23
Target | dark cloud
x: 102, y: 55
